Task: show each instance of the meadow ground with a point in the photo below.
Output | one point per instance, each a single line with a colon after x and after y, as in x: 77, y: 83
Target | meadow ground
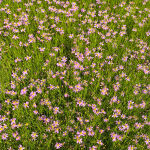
x: 74, y: 75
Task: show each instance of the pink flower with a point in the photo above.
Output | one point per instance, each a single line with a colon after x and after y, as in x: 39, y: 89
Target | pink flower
x: 51, y: 87
x: 27, y: 58
x: 41, y: 49
x: 23, y: 91
x: 131, y: 147
x: 21, y: 147
x: 93, y: 148
x: 106, y: 120
x: 91, y: 133
x: 56, y: 110
x: 113, y: 99
x: 34, y: 135
x: 39, y: 90
x: 32, y: 95
x: 4, y: 136
x: 18, y: 138
x: 15, y: 134
x: 81, y: 103
x: 78, y: 87
x: 26, y: 105
x: 104, y: 91
x: 35, y: 112
x: 66, y: 95
x: 79, y: 140
x: 147, y: 141
x: 58, y: 145
x: 25, y: 72
x: 99, y: 142
x: 114, y: 136
x: 71, y: 36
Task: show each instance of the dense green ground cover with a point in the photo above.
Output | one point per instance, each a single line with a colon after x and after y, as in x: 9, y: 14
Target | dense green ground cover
x: 74, y: 75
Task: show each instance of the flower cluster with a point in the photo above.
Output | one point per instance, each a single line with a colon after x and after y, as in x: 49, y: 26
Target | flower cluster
x: 74, y: 74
